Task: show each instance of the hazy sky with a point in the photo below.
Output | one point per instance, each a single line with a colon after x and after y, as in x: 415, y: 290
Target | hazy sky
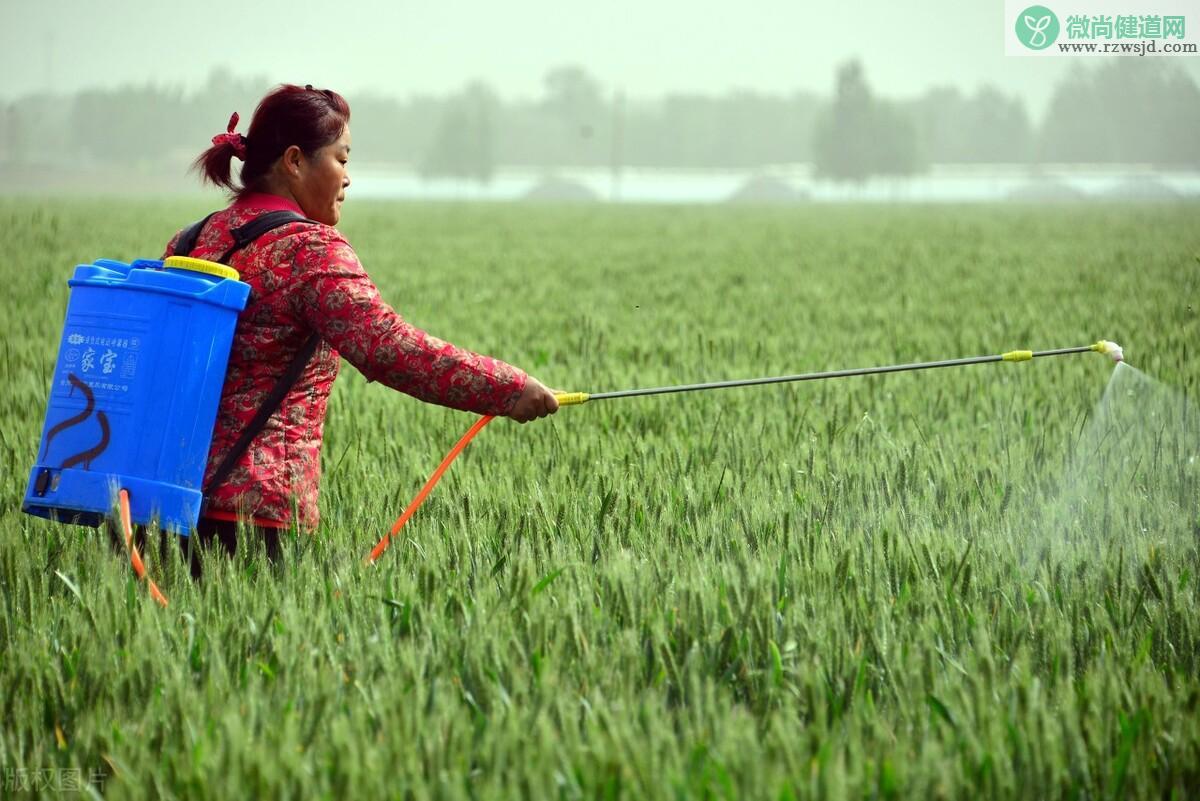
x: 645, y: 47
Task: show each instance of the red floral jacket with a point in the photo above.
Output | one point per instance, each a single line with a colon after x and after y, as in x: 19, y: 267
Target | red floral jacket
x: 305, y: 277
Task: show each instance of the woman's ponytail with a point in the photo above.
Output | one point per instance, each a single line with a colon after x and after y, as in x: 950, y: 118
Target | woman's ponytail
x: 215, y: 164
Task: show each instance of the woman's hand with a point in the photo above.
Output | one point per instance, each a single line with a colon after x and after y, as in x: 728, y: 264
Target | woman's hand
x: 535, y: 401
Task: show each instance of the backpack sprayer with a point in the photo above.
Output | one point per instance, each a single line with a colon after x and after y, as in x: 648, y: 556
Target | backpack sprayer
x: 136, y: 386
x: 134, y: 396
x: 138, y: 379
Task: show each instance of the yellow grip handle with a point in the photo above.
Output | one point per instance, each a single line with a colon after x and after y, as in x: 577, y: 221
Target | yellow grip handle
x: 1018, y: 356
x: 571, y: 398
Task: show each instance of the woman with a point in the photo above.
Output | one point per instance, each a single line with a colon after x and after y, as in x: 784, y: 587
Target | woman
x: 305, y: 278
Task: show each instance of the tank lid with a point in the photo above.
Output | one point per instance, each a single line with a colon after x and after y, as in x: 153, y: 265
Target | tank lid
x: 200, y: 266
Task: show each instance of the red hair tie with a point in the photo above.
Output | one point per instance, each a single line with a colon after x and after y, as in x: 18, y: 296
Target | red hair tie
x: 234, y: 140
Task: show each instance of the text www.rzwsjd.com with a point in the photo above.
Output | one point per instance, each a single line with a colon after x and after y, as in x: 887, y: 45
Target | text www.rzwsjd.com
x: 1116, y: 48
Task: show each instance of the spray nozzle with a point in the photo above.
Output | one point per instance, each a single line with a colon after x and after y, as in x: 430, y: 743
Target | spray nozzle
x: 1110, y: 349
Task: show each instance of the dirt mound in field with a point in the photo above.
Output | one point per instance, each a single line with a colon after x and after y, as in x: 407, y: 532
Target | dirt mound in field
x: 555, y: 189
x: 767, y: 189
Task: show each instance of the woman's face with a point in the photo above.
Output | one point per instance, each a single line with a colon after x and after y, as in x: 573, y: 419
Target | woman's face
x: 321, y: 184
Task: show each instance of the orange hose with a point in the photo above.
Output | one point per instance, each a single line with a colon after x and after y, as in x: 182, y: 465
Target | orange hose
x: 429, y: 485
x: 134, y: 557
x: 140, y: 569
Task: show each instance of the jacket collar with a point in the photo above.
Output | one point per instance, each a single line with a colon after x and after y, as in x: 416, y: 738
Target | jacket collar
x: 266, y: 202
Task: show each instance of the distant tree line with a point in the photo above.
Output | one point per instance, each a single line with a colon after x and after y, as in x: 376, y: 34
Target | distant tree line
x: 1126, y: 111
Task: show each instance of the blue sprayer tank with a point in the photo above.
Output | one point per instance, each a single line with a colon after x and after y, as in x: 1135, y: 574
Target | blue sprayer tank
x: 135, y: 391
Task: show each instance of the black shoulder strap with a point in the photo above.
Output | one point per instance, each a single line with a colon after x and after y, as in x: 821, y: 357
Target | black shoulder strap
x: 187, y: 240
x: 269, y: 406
x: 243, y: 236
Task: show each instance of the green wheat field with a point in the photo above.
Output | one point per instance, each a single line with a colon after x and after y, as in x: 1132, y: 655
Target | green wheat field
x: 974, y: 582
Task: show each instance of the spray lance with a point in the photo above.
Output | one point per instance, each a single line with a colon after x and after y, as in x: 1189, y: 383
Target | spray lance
x: 1110, y: 349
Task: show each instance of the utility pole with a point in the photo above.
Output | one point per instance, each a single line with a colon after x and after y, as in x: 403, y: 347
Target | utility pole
x: 617, y: 156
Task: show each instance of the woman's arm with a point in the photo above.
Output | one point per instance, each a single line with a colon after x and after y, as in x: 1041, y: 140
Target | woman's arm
x: 339, y: 300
